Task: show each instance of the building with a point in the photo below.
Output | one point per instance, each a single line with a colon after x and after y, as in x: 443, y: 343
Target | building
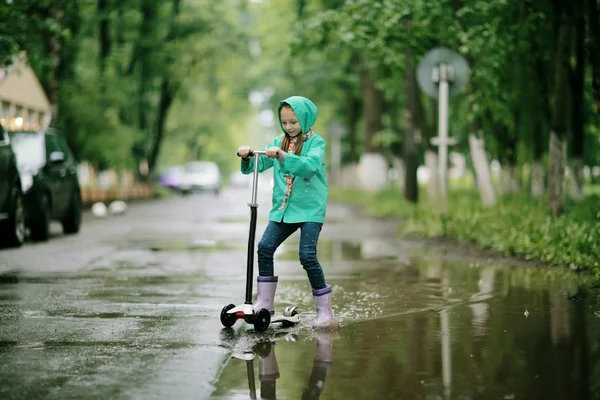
x: 23, y: 102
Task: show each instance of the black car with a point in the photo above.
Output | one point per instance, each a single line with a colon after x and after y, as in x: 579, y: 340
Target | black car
x: 12, y: 216
x: 49, y: 180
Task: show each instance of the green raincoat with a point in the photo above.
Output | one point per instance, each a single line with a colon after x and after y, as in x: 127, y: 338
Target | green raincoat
x: 308, y: 198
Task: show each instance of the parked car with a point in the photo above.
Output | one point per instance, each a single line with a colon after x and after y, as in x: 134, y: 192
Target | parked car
x: 12, y: 213
x: 203, y: 176
x: 173, y: 178
x: 49, y: 181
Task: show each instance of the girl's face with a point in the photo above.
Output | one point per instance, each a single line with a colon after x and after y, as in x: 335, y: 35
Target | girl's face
x: 289, y: 122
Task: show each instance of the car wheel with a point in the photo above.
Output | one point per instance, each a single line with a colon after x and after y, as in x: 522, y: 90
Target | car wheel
x: 40, y: 229
x: 72, y: 221
x: 14, y: 230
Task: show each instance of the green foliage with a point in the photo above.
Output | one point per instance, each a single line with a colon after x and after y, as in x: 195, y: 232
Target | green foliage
x: 212, y: 54
x: 517, y: 226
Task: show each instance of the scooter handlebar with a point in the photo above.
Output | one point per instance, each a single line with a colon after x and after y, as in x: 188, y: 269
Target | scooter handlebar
x: 253, y: 153
x: 256, y: 153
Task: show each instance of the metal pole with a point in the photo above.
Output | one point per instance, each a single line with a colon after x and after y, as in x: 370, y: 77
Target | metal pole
x: 252, y: 232
x: 257, y: 155
x: 443, y: 134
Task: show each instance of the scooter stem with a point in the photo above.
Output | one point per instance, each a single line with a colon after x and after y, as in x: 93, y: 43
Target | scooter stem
x: 256, y: 154
x: 252, y: 233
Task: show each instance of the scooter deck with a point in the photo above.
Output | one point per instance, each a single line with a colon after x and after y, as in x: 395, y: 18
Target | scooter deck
x: 280, y: 318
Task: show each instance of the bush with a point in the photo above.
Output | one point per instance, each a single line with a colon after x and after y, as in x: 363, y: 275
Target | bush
x: 517, y: 225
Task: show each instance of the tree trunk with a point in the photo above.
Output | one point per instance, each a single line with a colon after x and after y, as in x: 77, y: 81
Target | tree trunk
x: 144, y: 49
x: 63, y: 50
x: 373, y: 167
x: 167, y: 95
x: 373, y: 110
x: 594, y: 48
x: 481, y: 165
x: 411, y: 154
x: 540, y: 125
x: 54, y: 47
x: 556, y: 172
x: 537, y: 171
x: 166, y: 100
x: 103, y: 36
x: 509, y: 180
x: 142, y: 58
x: 560, y: 116
x: 352, y: 109
x: 537, y: 179
x: 576, y: 180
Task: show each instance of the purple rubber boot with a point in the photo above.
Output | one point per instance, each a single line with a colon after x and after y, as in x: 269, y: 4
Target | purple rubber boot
x: 323, y: 306
x: 266, y: 287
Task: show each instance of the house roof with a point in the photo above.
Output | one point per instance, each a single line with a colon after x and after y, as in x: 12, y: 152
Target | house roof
x: 20, y: 85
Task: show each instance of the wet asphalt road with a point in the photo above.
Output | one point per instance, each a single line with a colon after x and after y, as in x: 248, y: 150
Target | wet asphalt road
x: 129, y: 309
x: 130, y: 306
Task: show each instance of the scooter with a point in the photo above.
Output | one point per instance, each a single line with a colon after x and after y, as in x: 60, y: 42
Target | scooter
x: 262, y: 318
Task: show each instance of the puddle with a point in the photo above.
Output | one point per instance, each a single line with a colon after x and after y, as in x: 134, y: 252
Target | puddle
x: 417, y: 322
x: 177, y: 244
x: 435, y: 330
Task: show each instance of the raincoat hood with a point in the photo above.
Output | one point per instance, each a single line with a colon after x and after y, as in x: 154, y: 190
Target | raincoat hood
x: 305, y: 110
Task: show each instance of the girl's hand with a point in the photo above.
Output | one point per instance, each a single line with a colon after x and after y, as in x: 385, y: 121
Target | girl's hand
x: 243, y: 151
x: 273, y: 152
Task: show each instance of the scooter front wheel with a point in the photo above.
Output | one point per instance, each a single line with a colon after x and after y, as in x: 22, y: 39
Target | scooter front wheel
x: 228, y: 319
x: 262, y: 319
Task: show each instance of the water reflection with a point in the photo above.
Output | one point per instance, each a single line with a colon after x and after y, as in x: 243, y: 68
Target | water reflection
x: 261, y: 356
x: 444, y: 330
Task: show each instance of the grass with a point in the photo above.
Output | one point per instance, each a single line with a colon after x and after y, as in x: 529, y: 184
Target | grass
x: 518, y: 225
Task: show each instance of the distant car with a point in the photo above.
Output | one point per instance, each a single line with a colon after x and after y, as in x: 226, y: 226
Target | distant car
x: 49, y: 180
x: 12, y: 212
x: 237, y: 179
x: 173, y: 178
x: 203, y: 176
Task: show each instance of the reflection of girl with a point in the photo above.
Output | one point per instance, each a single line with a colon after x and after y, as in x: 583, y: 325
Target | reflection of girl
x: 321, y: 365
x: 269, y: 369
x: 299, y: 202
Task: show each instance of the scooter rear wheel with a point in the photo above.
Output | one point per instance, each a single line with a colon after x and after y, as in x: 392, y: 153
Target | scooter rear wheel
x: 262, y: 319
x: 228, y: 319
x: 289, y: 312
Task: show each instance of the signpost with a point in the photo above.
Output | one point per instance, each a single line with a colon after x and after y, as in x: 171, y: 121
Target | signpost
x: 442, y: 73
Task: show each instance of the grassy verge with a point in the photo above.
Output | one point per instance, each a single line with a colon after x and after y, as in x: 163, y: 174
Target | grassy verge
x: 517, y: 225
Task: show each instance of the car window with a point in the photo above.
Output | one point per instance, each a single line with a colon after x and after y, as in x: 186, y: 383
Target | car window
x: 29, y: 150
x: 203, y: 167
x: 4, y: 141
x: 64, y: 147
x: 51, y: 145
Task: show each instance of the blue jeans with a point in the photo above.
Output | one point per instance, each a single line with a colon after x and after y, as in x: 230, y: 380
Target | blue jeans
x: 276, y: 233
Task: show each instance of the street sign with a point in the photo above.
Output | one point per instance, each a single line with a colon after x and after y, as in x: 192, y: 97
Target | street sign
x: 440, y: 74
x: 428, y: 71
x: 436, y: 141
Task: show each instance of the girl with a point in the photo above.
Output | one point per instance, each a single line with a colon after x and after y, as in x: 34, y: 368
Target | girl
x: 299, y: 202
